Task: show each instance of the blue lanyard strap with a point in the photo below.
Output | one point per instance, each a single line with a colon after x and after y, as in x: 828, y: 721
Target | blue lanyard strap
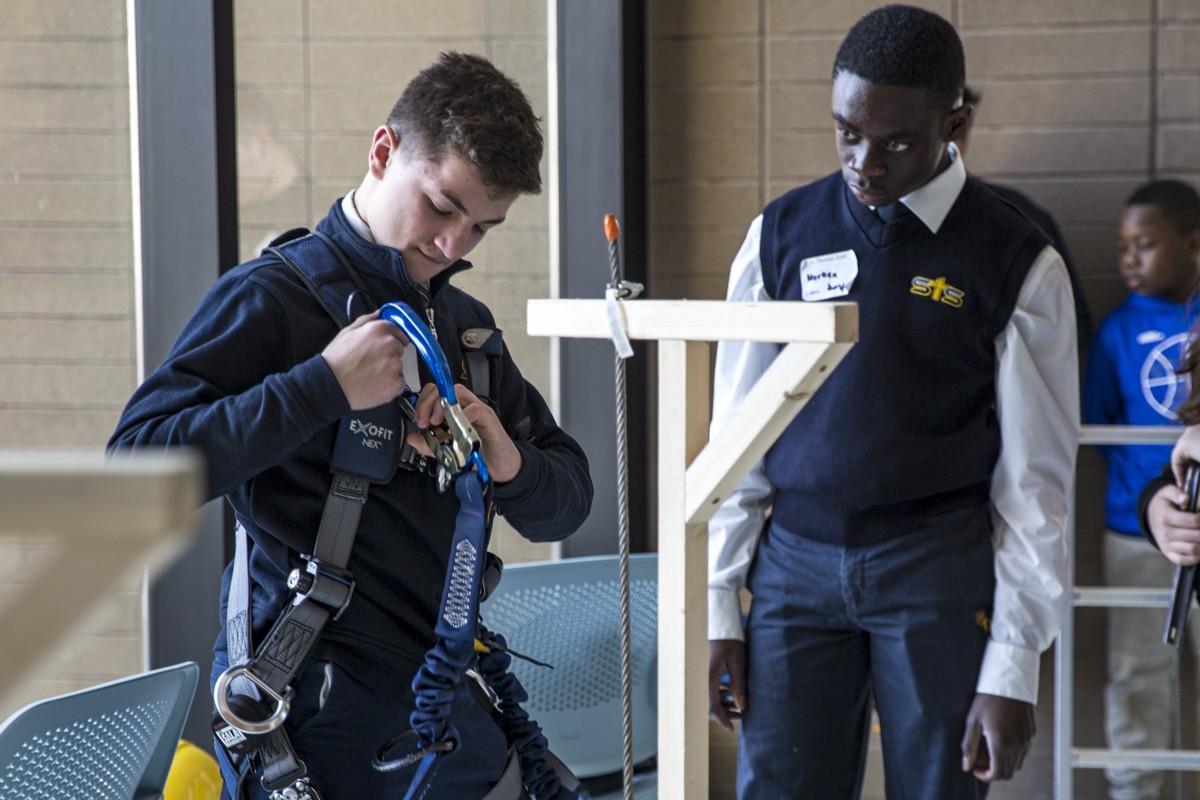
x: 458, y: 618
x: 459, y: 455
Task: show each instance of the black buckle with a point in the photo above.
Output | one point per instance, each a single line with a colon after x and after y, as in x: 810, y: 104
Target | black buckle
x: 329, y: 586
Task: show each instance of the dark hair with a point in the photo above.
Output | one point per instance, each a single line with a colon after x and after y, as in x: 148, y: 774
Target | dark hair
x: 462, y: 104
x: 906, y: 46
x: 971, y: 96
x: 1180, y: 204
x: 1177, y: 201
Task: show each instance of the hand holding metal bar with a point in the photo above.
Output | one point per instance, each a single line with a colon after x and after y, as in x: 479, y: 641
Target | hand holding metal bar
x: 1184, y: 586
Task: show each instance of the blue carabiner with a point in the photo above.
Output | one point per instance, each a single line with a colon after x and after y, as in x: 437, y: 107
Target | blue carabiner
x: 403, y: 317
x: 466, y: 450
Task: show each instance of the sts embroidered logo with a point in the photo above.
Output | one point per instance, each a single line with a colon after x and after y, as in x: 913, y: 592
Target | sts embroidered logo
x: 938, y: 290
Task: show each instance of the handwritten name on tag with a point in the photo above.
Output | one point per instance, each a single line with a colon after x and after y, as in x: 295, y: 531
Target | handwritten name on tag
x: 830, y: 275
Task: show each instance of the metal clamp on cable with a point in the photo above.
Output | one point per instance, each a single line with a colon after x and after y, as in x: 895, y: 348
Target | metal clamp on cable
x: 322, y: 584
x: 283, y: 702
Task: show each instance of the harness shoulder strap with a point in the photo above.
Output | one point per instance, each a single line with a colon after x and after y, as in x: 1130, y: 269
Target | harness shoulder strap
x: 333, y: 281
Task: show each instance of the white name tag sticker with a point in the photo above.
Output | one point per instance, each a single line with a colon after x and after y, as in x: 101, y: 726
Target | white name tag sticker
x: 830, y: 275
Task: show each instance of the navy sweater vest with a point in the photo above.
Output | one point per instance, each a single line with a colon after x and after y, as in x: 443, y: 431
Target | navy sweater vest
x: 905, y: 428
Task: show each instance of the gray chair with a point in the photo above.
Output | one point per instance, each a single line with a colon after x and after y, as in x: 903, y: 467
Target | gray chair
x: 567, y: 613
x: 115, y: 741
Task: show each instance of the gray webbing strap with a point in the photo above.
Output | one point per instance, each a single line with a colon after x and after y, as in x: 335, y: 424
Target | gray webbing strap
x: 322, y: 592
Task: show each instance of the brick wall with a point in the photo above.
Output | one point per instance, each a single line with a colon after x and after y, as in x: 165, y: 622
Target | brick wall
x: 66, y: 281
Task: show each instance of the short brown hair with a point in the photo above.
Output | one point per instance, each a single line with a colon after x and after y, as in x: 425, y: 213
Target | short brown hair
x: 462, y: 104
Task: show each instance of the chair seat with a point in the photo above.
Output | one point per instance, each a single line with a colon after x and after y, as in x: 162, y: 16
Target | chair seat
x: 115, y: 741
x: 567, y: 613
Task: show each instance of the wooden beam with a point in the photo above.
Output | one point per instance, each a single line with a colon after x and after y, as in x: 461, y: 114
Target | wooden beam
x: 781, y: 392
x: 101, y: 522
x: 698, y: 320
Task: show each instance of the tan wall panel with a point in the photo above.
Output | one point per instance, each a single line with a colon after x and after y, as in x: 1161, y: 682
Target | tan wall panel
x: 52, y: 427
x: 58, y: 154
x: 276, y: 109
x: 788, y: 16
x: 702, y: 204
x: 95, y: 63
x: 65, y: 385
x: 798, y: 155
x: 799, y: 107
x: 1179, y: 97
x: 977, y: 13
x: 698, y: 17
x: 270, y: 62
x: 89, y: 341
x: 704, y: 111
x: 729, y: 59
x: 1179, y: 147
x: 386, y: 65
x: 69, y: 108
x: 75, y: 248
x: 808, y: 59
x: 1075, y: 52
x: 1042, y: 102
x: 101, y: 201
x: 66, y: 294
x: 519, y: 18
x: 273, y: 18
x: 373, y: 19
x: 1180, y: 10
x: 60, y: 19
x: 1181, y: 48
x: 1074, y: 199
x: 711, y: 157
x: 1077, y: 150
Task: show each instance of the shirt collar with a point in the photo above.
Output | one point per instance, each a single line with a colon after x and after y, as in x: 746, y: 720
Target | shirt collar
x: 932, y: 202
x: 356, y: 222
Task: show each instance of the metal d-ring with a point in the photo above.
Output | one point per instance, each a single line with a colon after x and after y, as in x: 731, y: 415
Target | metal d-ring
x: 221, y: 699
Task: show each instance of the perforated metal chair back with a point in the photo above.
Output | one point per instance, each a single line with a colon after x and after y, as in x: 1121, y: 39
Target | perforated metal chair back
x: 567, y: 613
x: 110, y: 742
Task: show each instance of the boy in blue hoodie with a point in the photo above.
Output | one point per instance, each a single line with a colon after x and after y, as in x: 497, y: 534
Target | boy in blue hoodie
x: 1131, y: 380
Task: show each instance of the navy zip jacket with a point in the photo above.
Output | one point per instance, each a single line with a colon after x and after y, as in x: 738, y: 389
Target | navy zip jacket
x: 246, y: 384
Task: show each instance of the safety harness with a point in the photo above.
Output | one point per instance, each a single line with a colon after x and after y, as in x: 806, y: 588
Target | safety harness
x: 253, y: 695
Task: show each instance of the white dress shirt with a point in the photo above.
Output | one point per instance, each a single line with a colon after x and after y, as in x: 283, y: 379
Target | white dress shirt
x: 1037, y: 402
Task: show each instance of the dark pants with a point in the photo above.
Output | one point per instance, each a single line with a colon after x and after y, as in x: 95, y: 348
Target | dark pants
x: 833, y: 629
x: 338, y: 724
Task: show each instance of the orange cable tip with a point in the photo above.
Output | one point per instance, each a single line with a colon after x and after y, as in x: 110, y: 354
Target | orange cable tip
x: 612, y: 229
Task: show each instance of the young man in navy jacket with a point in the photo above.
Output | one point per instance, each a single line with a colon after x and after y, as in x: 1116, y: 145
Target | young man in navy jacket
x: 261, y: 376
x: 914, y: 558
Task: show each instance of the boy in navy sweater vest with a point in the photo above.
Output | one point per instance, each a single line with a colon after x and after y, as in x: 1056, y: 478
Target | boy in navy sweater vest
x: 914, y: 559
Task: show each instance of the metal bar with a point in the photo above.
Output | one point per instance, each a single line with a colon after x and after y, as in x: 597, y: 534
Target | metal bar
x: 1123, y: 597
x: 1100, y: 758
x: 1129, y: 434
x: 1067, y: 757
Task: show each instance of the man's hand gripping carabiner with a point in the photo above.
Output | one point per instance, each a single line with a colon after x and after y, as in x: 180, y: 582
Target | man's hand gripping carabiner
x: 455, y: 445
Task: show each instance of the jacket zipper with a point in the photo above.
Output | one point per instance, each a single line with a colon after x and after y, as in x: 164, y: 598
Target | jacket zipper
x: 428, y: 302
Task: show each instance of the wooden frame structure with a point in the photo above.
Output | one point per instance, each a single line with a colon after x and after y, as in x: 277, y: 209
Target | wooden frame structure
x: 105, y: 519
x: 693, y: 477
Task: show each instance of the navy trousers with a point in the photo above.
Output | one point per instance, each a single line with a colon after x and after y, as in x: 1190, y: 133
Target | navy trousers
x: 337, y: 725
x: 901, y: 624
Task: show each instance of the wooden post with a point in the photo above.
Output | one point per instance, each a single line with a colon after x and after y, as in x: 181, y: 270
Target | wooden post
x: 682, y: 567
x: 105, y: 520
x: 693, y: 478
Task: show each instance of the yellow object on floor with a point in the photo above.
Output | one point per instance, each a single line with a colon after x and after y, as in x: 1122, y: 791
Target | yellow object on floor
x: 194, y: 775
